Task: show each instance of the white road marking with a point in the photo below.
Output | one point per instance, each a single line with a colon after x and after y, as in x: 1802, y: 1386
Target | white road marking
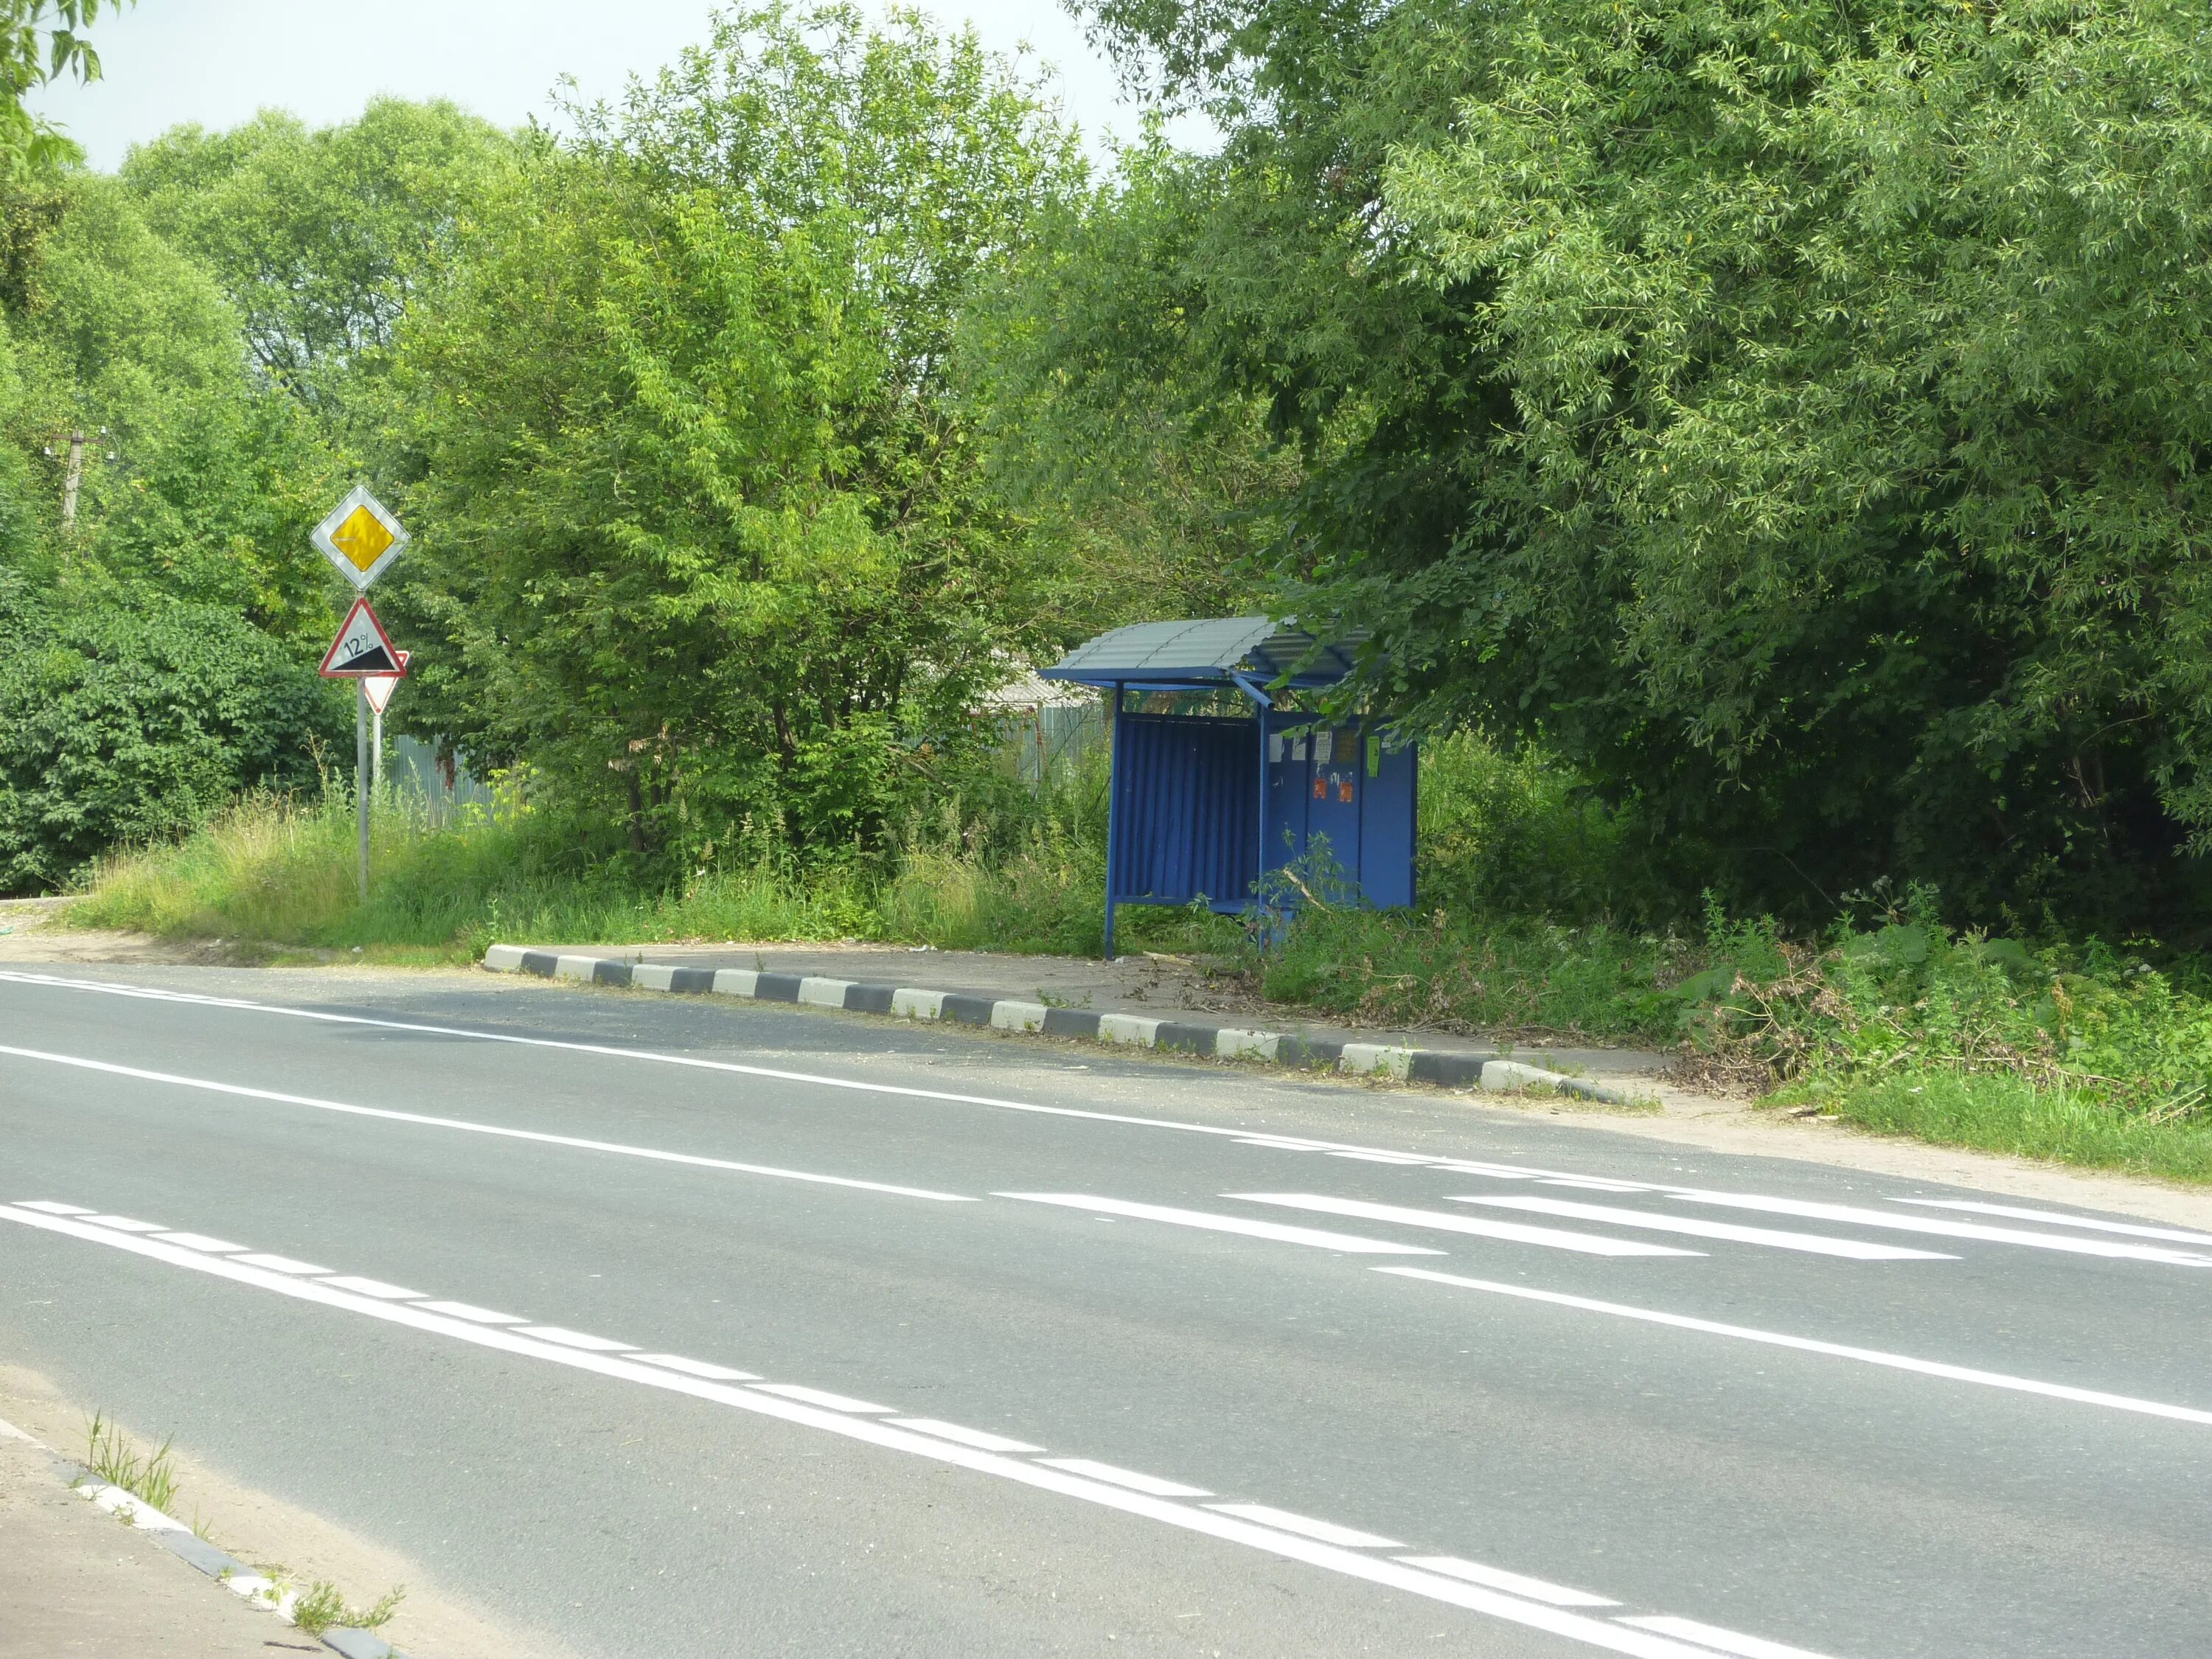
x: 1592, y: 1183
x: 1511, y: 1231
x: 1378, y: 1157
x: 124, y: 1224
x: 824, y: 1398
x: 1151, y: 1485
x: 1727, y: 1641
x: 651, y: 1056
x: 281, y: 1264
x: 1313, y: 1237
x: 1306, y: 1527
x: 568, y: 1339
x: 52, y: 1208
x: 980, y: 1438
x: 1814, y: 1243
x: 875, y: 1431
x: 375, y: 1287
x: 457, y: 1309
x: 1808, y: 1344
x: 422, y: 1120
x: 201, y: 1242
x: 1495, y: 1171
x: 1513, y: 1584
x: 1856, y: 1215
x: 677, y: 1361
x: 2051, y: 1217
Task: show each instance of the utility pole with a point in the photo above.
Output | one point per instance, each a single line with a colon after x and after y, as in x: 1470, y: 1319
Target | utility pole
x: 72, y: 480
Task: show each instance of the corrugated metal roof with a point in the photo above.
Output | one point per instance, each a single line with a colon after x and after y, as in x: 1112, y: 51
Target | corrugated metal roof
x: 1199, y: 653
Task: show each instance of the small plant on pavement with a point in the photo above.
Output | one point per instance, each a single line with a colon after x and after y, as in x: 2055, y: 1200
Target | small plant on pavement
x: 150, y: 1479
x: 320, y: 1607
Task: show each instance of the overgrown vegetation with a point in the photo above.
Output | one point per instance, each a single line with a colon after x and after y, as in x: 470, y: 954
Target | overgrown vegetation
x: 1786, y: 503
x: 150, y: 1477
x: 322, y: 1606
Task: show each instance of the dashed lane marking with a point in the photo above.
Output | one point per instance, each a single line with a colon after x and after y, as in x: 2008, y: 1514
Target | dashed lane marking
x: 1076, y: 1478
x: 1810, y: 1345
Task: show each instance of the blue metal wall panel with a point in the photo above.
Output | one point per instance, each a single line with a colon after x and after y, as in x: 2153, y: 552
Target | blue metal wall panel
x: 1390, y: 817
x: 1185, y: 810
x: 1186, y: 818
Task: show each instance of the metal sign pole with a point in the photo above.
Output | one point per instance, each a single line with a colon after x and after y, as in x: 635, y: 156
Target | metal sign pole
x: 360, y: 786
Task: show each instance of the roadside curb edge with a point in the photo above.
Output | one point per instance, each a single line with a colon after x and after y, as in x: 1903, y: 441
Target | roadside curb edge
x: 187, y: 1545
x: 1444, y: 1067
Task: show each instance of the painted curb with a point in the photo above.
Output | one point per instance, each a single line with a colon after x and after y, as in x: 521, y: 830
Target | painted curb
x: 181, y: 1542
x: 1444, y: 1067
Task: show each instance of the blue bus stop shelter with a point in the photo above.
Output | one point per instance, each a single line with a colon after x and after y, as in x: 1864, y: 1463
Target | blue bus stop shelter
x: 1202, y: 804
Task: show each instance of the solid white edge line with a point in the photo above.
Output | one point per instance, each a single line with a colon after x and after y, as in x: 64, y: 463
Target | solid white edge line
x: 1152, y: 1485
x: 1512, y: 1232
x: 568, y: 1339
x: 1207, y: 1221
x: 1513, y: 1584
x: 2016, y: 1213
x: 713, y: 1373
x: 52, y: 1208
x: 875, y: 1431
x: 824, y: 1398
x: 284, y: 1264
x: 1305, y: 1526
x: 899, y: 1090
x: 1811, y: 1345
x: 423, y: 1120
x: 981, y: 1439
x: 1726, y: 1641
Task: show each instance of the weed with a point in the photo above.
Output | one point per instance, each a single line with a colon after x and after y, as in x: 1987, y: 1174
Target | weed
x: 112, y: 1458
x: 320, y: 1607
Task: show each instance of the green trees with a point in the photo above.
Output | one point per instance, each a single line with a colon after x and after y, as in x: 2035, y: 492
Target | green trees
x: 1793, y: 414
x: 319, y: 238
x: 134, y: 722
x: 41, y: 40
x: 703, y: 537
x: 143, y: 677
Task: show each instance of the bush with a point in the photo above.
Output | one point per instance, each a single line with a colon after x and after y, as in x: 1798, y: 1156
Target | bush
x: 126, y: 725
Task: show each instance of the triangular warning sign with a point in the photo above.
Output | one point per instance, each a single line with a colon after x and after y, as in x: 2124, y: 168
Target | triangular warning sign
x: 380, y: 687
x: 363, y: 648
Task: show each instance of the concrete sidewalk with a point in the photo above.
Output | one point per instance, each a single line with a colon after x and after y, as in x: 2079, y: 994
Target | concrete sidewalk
x: 77, y: 1583
x: 1152, y: 986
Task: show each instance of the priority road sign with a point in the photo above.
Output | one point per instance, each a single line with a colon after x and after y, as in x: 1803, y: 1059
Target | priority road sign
x: 380, y: 687
x: 362, y: 650
x: 361, y: 538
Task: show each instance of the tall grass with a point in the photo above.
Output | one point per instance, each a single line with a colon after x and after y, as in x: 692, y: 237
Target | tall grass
x: 2064, y: 1051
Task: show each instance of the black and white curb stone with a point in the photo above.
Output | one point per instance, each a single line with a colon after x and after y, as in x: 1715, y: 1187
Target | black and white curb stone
x: 1448, y: 1068
x: 180, y: 1540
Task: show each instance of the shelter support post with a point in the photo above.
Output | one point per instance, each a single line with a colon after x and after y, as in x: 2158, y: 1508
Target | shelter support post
x: 1113, y: 758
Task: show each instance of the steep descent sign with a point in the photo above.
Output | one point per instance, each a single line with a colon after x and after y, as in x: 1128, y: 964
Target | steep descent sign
x: 380, y: 687
x: 362, y: 650
x: 361, y: 538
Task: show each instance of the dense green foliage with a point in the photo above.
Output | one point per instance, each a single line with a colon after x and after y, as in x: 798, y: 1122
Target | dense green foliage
x: 321, y: 238
x: 705, y: 542
x: 126, y: 725
x: 152, y: 650
x: 41, y: 41
x: 1790, y: 414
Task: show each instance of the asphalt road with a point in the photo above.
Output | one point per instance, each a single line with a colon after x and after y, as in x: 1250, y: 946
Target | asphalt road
x: 669, y: 1328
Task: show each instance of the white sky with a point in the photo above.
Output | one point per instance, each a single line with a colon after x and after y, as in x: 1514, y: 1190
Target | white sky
x: 217, y: 62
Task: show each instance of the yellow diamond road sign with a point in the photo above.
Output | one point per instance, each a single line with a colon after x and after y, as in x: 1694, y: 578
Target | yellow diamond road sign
x: 361, y: 538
